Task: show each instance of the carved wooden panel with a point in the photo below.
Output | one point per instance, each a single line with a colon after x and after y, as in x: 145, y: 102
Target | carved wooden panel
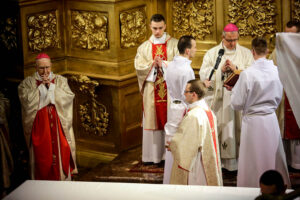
x: 8, y: 35
x: 89, y: 30
x: 42, y: 31
x: 254, y: 18
x: 296, y: 10
x: 193, y: 17
x: 133, y: 27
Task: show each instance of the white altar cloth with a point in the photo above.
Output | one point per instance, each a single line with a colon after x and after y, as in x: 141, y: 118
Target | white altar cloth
x: 53, y: 190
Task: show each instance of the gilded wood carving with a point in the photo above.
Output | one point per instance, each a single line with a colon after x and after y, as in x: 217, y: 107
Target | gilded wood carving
x: 93, y: 115
x: 89, y: 30
x: 133, y: 27
x: 254, y: 18
x: 42, y: 31
x: 193, y: 17
x: 8, y: 33
x: 296, y: 10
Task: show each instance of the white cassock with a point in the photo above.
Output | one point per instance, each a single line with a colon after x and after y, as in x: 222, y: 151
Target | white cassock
x: 288, y: 59
x: 219, y: 100
x: 153, y: 139
x: 258, y: 93
x: 179, y: 72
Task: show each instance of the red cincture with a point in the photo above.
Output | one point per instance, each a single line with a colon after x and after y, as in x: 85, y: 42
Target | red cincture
x: 291, y: 129
x: 160, y: 87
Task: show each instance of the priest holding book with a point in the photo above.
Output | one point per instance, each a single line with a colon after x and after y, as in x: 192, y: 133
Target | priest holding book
x: 236, y: 57
x: 257, y: 94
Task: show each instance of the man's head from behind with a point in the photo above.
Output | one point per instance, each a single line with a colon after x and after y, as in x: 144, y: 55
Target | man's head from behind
x: 157, y: 25
x: 271, y: 182
x: 292, y: 27
x: 230, y: 36
x: 187, y: 46
x: 194, y: 91
x: 259, y: 47
x: 43, y: 65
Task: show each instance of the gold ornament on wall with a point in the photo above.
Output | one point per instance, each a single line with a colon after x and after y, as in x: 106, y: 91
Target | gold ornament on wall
x: 8, y: 33
x: 296, y: 10
x: 89, y: 30
x: 254, y: 18
x: 133, y: 27
x: 193, y: 17
x: 93, y: 115
x: 42, y: 31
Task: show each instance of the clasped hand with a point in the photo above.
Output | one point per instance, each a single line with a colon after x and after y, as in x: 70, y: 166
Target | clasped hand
x: 228, y: 66
x: 46, y: 80
x: 158, y: 62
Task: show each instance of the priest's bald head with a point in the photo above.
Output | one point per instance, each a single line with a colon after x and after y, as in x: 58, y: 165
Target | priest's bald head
x: 194, y: 91
x: 43, y: 65
x: 230, y: 36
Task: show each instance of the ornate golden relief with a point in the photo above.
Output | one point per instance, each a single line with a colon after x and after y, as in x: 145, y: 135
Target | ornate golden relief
x: 133, y: 27
x: 89, y: 30
x: 93, y: 115
x: 254, y: 18
x: 296, y: 10
x: 42, y: 31
x: 193, y: 17
x: 8, y: 33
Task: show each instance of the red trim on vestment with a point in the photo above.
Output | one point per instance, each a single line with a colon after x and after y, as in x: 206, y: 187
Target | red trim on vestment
x: 183, y: 168
x: 213, y: 131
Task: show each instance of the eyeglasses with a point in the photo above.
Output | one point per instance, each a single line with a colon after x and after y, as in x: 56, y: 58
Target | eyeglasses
x: 233, y: 40
x: 186, y: 91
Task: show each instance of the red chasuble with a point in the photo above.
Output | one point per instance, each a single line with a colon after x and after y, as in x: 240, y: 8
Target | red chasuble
x: 160, y: 87
x: 47, y: 134
x: 291, y: 129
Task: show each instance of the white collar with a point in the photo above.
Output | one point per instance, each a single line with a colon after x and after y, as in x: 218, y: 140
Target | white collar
x: 160, y: 40
x: 200, y: 103
x: 179, y: 57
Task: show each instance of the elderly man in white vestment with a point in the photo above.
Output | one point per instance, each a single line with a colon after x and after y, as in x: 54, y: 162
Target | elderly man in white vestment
x: 179, y: 72
x: 258, y: 93
x: 195, y: 146
x: 235, y: 57
x: 289, y: 128
x: 150, y: 63
x: 47, y: 113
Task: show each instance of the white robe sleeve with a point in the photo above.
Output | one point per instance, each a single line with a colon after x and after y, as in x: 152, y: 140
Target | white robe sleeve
x: 206, y: 67
x: 240, y: 93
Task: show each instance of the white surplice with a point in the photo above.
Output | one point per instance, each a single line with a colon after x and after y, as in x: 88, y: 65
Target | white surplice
x: 288, y: 59
x: 219, y: 100
x: 179, y: 72
x: 258, y: 93
x: 153, y: 140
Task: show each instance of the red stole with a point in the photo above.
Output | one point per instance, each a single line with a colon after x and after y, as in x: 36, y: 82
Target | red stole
x: 213, y: 132
x: 291, y: 129
x: 160, y: 87
x: 46, y: 132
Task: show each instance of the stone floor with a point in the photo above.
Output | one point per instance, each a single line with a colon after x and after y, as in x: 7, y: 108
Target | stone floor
x: 118, y: 171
